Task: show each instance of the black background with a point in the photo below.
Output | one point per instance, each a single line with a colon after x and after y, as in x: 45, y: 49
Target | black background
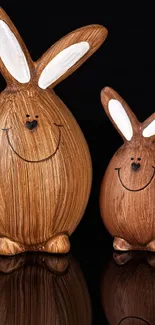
x: 124, y: 62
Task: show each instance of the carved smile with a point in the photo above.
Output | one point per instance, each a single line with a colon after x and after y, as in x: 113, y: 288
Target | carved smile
x: 34, y: 161
x: 133, y: 317
x: 140, y: 189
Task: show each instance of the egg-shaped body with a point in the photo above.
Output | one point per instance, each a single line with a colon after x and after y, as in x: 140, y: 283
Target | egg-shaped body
x: 127, y: 197
x: 45, y: 172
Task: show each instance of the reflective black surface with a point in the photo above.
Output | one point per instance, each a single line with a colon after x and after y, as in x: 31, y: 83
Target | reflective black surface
x: 128, y: 289
x: 89, y: 289
x: 43, y: 289
x: 91, y: 286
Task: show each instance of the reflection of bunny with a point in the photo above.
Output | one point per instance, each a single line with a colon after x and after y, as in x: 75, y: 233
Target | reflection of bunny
x: 43, y: 289
x: 45, y: 165
x: 127, y: 198
x: 128, y: 291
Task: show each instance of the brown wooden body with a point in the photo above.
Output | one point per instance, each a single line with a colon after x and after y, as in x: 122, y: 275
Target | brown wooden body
x: 39, y: 200
x: 127, y: 197
x: 128, y: 291
x: 43, y: 290
x: 45, y: 172
x: 127, y: 214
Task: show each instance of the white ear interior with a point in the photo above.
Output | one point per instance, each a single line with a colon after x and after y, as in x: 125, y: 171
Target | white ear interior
x: 120, y: 117
x: 149, y: 130
x: 12, y: 55
x: 61, y: 63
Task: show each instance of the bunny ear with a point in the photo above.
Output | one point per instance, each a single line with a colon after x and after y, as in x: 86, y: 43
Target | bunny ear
x: 15, y: 61
x: 66, y: 55
x: 119, y: 113
x: 148, y: 127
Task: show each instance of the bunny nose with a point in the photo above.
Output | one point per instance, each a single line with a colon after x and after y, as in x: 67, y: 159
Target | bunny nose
x: 135, y: 166
x: 31, y: 124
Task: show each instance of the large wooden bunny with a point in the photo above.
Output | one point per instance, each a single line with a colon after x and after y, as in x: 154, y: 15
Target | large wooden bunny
x: 45, y: 164
x: 127, y: 197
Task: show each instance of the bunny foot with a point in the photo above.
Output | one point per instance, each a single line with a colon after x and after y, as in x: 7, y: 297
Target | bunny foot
x: 59, y: 244
x: 122, y: 258
x: 56, y: 264
x: 151, y: 246
x: 9, y: 247
x: 11, y: 263
x: 120, y: 244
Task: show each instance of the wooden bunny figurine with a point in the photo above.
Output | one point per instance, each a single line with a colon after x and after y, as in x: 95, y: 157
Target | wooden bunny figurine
x: 127, y: 197
x: 45, y: 164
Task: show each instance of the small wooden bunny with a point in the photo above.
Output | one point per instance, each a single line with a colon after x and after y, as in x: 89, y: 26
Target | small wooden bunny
x: 45, y: 164
x: 127, y: 197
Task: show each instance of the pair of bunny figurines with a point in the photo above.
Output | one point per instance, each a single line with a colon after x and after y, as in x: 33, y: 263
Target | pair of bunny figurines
x: 45, y: 164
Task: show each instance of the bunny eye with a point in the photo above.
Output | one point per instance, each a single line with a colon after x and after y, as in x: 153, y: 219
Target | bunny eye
x: 132, y: 158
x: 27, y: 115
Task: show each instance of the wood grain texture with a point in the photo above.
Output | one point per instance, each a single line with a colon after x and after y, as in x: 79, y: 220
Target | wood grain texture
x: 127, y: 196
x: 43, y: 290
x: 95, y: 35
x: 45, y: 172
x: 10, y: 80
x: 128, y: 290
